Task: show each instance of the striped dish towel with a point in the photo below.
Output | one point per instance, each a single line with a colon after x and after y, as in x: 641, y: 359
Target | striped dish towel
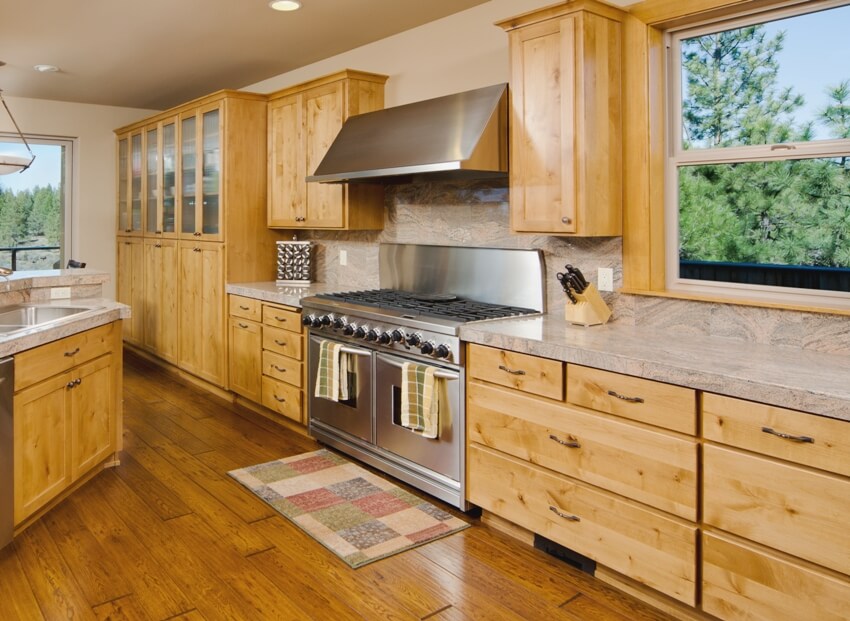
x: 328, y: 374
x: 420, y: 399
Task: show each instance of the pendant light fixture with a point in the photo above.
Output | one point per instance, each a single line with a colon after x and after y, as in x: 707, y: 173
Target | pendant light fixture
x: 14, y: 163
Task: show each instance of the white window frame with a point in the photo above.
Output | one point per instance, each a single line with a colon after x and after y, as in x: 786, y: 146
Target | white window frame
x: 66, y: 249
x: 677, y: 156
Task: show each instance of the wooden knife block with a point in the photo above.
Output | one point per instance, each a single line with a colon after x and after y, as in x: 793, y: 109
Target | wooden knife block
x: 591, y: 309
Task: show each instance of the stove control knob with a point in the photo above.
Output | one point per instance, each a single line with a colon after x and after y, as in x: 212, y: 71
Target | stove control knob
x: 317, y: 321
x: 349, y: 328
x: 427, y: 348
x: 414, y: 340
x: 360, y: 332
x: 443, y: 351
x: 397, y: 336
x: 307, y: 320
x: 373, y: 334
x: 339, y: 323
x: 385, y: 338
x: 327, y: 319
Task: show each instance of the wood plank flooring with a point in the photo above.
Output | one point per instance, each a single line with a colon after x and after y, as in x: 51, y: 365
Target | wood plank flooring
x: 168, y: 535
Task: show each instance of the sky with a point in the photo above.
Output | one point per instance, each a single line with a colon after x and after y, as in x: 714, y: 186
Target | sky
x: 45, y: 170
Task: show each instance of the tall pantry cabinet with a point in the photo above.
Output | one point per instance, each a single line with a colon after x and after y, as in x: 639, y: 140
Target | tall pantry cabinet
x: 191, y: 216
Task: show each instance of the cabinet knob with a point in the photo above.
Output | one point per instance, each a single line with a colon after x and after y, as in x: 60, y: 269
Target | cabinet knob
x: 196, y: 234
x: 74, y: 352
x: 196, y: 249
x: 279, y: 399
x: 566, y: 220
x: 244, y: 326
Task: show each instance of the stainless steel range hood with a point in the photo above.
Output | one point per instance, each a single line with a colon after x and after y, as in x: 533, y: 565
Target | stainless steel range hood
x: 460, y: 136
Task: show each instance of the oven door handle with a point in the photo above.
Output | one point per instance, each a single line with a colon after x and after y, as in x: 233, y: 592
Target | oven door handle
x: 441, y: 374
x: 356, y: 352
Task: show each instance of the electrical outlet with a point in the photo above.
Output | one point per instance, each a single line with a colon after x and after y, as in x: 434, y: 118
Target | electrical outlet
x: 60, y: 292
x: 605, y: 279
x: 343, y: 257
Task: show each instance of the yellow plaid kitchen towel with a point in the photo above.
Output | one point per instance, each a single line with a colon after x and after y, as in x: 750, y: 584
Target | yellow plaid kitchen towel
x: 420, y: 399
x: 328, y: 374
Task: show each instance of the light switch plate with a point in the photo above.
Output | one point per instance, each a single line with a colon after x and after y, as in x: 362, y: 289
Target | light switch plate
x: 60, y: 292
x: 605, y: 279
x: 343, y: 257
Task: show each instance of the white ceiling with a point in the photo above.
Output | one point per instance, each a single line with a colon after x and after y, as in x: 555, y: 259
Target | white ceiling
x: 159, y: 53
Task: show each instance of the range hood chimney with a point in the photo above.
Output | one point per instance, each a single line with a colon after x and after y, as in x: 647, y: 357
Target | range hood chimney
x: 460, y: 136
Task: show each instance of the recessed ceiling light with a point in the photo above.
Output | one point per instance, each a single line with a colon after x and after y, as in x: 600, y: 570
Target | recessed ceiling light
x: 46, y: 68
x: 285, y: 5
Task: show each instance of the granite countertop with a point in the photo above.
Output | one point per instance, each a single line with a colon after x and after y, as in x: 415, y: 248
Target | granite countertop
x: 269, y: 291
x: 788, y: 377
x: 99, y: 311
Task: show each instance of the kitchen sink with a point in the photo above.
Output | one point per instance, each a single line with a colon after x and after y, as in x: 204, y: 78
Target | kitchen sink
x: 23, y: 316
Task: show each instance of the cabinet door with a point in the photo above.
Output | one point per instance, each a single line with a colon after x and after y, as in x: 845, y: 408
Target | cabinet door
x: 92, y: 406
x: 202, y: 337
x: 287, y: 168
x: 209, y: 214
x: 160, y: 286
x: 123, y: 179
x: 324, y: 113
x: 134, y: 226
x: 130, y: 286
x: 41, y: 457
x: 246, y: 350
x: 152, y: 181
x: 168, y: 179
x: 188, y: 174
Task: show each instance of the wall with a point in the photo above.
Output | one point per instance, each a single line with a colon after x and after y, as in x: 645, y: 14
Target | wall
x: 93, y: 226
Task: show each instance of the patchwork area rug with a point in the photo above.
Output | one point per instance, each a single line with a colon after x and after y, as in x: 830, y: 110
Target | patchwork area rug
x: 355, y: 514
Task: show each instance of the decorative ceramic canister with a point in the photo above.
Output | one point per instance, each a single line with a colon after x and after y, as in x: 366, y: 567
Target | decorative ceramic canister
x: 294, y: 262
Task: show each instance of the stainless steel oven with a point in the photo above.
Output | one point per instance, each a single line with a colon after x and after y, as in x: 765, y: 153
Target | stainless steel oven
x: 426, y: 294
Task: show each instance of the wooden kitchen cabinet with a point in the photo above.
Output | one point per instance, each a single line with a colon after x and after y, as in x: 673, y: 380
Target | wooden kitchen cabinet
x: 566, y: 128
x: 303, y: 121
x: 130, y: 181
x: 130, y: 286
x: 245, y: 358
x: 613, y: 489
x: 205, y: 187
x: 67, y: 415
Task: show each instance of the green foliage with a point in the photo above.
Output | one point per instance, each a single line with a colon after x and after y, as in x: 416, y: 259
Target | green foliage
x: 793, y: 212
x: 31, y: 213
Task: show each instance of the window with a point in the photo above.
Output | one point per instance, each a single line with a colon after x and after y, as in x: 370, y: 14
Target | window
x: 757, y: 181
x: 35, y: 206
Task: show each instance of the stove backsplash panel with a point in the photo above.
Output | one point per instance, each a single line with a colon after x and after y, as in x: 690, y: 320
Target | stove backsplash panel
x: 476, y: 214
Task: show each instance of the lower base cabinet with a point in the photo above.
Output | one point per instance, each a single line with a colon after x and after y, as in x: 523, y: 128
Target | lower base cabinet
x: 66, y: 414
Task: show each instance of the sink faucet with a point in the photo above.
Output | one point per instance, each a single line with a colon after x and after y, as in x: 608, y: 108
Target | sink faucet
x: 6, y: 271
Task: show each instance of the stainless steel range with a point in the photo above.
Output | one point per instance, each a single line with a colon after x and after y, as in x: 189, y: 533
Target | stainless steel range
x: 426, y: 293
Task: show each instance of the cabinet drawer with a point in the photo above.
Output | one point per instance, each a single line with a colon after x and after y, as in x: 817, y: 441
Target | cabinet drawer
x: 798, y: 511
x: 282, y: 368
x: 654, y: 549
x: 248, y: 308
x: 282, y: 398
x: 650, y: 466
x: 539, y: 376
x: 282, y: 342
x: 39, y: 363
x: 282, y: 318
x: 742, y: 582
x: 766, y: 429
x: 648, y: 401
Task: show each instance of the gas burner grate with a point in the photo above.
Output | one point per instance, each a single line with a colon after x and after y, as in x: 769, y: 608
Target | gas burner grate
x: 428, y: 305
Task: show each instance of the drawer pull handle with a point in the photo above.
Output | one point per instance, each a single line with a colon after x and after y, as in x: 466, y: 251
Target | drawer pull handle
x: 788, y: 436
x: 277, y: 368
x: 569, y: 443
x: 74, y: 383
x: 511, y: 371
x: 566, y: 516
x: 279, y: 399
x: 244, y: 307
x: 243, y: 326
x: 625, y: 398
x: 281, y: 343
x: 280, y: 319
x: 68, y: 354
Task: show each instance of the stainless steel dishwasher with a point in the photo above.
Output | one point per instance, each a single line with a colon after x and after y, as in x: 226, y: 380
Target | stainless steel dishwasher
x: 7, y: 465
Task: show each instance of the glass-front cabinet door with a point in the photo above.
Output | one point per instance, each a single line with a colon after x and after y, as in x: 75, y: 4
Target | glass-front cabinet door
x: 200, y: 174
x: 134, y: 221
x: 151, y: 182
x: 168, y: 163
x: 123, y: 177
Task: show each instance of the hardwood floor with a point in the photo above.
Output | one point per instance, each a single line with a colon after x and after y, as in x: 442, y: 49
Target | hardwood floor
x: 168, y: 535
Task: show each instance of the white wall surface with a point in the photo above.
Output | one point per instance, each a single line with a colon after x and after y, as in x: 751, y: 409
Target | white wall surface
x: 93, y: 226
x: 457, y: 53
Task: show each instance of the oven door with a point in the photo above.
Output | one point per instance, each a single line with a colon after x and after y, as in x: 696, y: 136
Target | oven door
x: 441, y: 454
x: 353, y: 416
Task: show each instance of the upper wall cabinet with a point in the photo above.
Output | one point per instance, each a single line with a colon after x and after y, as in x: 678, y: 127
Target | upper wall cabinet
x: 566, y: 130
x: 303, y: 122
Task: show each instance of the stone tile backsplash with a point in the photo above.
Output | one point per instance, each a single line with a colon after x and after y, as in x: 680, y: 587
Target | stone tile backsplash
x: 476, y: 214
